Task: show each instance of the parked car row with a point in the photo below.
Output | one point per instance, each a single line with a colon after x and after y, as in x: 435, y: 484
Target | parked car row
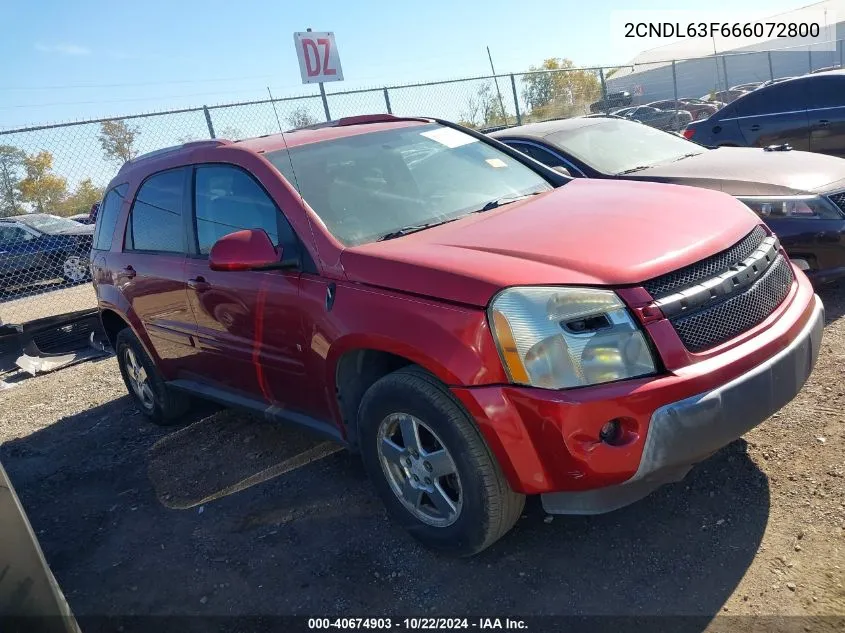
x: 805, y: 113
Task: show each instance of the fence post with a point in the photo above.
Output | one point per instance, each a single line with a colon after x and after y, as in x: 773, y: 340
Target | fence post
x: 725, y: 70
x: 516, y: 101
x: 325, y: 101
x: 387, y: 102
x: 771, y: 70
x: 675, y: 90
x: 208, y: 122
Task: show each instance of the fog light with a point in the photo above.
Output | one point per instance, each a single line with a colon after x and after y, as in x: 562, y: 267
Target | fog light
x: 801, y: 264
x: 611, y: 432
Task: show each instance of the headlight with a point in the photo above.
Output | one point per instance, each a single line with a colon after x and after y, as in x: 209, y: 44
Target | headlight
x: 813, y: 207
x: 567, y: 337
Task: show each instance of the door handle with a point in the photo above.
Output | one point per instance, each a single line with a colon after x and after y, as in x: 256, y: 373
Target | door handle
x: 824, y: 123
x: 755, y: 128
x: 199, y: 284
x: 128, y: 272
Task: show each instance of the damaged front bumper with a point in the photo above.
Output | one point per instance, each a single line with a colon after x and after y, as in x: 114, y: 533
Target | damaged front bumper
x: 685, y: 432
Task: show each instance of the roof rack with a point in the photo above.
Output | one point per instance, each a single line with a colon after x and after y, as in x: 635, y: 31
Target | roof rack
x: 216, y: 142
x: 360, y: 120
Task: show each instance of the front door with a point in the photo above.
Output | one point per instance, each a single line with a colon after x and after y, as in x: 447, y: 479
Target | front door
x: 827, y: 114
x: 249, y: 324
x: 775, y: 115
x: 150, y: 270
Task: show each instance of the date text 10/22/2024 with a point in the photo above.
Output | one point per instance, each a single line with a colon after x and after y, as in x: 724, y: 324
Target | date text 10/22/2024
x: 417, y: 624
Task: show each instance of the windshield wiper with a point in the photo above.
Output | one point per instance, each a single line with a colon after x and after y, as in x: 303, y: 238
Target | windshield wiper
x: 633, y: 169
x: 407, y: 230
x: 498, y: 202
x: 690, y: 155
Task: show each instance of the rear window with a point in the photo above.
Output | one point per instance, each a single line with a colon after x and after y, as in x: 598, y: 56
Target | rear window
x: 107, y: 217
x: 827, y: 91
x: 155, y: 222
x: 777, y: 98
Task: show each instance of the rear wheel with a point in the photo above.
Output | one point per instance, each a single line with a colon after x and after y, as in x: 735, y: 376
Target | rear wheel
x: 431, y: 466
x: 161, y: 404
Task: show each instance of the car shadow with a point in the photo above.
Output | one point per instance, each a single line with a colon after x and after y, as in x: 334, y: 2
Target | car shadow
x: 833, y: 297
x: 224, y: 515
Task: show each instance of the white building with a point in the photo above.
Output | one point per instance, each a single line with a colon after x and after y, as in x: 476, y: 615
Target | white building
x: 652, y: 76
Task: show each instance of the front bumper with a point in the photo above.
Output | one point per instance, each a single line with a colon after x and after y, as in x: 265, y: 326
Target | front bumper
x: 683, y: 433
x: 548, y: 442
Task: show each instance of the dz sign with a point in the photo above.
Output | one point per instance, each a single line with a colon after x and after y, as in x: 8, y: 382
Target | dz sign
x: 318, y: 57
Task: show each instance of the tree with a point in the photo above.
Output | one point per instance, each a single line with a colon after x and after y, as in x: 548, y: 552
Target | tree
x: 231, y: 133
x: 483, y: 109
x: 559, y: 94
x: 11, y: 162
x: 117, y: 138
x: 82, y: 199
x: 41, y: 187
x: 300, y: 117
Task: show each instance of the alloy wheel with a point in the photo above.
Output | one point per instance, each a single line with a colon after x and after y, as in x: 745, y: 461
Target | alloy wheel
x: 420, y: 470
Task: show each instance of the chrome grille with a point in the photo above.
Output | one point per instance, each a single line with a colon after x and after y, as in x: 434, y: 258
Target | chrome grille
x: 694, y: 273
x: 721, y: 322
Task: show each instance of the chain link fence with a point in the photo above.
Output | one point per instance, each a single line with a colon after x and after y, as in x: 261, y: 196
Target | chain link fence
x: 61, y: 170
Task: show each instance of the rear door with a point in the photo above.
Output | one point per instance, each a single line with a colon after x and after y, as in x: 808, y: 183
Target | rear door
x: 249, y: 323
x: 826, y: 114
x: 775, y: 115
x: 150, y: 272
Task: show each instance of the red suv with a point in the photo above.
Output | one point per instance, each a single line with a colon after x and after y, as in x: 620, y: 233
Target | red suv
x: 478, y: 326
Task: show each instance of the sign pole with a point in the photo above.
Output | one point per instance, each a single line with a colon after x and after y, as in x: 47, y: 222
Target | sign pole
x: 325, y: 101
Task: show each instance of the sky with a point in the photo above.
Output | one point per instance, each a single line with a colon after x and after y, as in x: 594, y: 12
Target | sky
x: 65, y: 61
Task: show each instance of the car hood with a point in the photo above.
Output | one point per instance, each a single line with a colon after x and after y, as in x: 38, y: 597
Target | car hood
x: 751, y: 171
x: 595, y: 232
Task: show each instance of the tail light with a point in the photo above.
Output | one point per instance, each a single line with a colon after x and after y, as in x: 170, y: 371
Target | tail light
x: 689, y: 133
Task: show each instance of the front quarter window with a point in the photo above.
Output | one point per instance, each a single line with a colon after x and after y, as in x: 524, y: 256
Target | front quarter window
x: 369, y: 185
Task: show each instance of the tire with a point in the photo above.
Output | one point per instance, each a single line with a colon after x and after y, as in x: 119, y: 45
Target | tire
x: 486, y: 507
x: 162, y: 405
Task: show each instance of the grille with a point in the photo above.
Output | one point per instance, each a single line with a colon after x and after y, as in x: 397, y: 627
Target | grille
x: 664, y: 285
x: 65, y: 339
x: 721, y: 322
x: 838, y: 199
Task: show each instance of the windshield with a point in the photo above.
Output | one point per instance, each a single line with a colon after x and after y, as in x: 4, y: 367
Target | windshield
x: 367, y: 186
x: 612, y: 146
x: 48, y: 223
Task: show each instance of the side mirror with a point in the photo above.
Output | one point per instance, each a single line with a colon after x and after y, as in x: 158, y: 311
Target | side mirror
x: 562, y: 170
x: 244, y: 250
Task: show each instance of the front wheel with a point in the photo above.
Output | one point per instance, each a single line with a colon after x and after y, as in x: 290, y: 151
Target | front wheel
x: 431, y: 466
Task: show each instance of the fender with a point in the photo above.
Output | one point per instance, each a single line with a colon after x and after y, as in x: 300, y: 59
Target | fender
x: 110, y: 298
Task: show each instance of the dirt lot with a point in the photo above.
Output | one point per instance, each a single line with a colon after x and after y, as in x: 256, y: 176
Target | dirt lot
x: 230, y: 515
x: 49, y: 299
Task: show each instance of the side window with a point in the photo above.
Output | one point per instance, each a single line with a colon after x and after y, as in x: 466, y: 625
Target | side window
x: 12, y: 234
x: 155, y: 222
x: 227, y: 199
x: 826, y: 91
x: 537, y: 153
x: 107, y: 217
x: 782, y: 97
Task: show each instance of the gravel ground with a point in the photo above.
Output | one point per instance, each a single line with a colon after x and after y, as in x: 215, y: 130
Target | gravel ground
x: 232, y: 515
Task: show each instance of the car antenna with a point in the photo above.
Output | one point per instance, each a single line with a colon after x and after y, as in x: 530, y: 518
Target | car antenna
x: 285, y: 141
